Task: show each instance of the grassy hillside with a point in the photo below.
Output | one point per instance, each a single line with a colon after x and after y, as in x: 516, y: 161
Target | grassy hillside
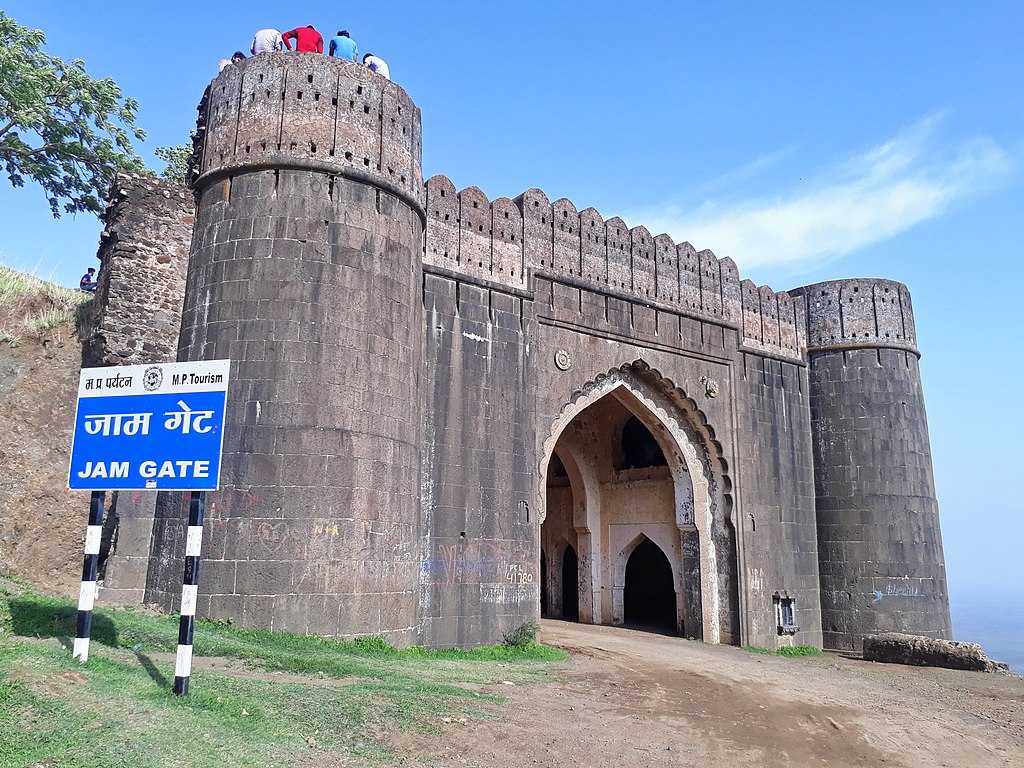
x: 258, y: 698
x: 32, y: 309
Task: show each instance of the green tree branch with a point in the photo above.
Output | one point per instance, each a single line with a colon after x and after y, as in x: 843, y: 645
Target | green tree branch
x: 69, y: 133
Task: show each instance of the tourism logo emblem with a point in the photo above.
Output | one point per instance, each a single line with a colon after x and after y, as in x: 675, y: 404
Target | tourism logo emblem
x: 129, y: 436
x: 152, y: 378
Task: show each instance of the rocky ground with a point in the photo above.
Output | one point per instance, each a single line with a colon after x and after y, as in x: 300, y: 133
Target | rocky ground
x: 42, y: 524
x: 629, y: 698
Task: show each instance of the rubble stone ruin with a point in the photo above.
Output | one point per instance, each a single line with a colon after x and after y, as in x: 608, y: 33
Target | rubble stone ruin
x: 433, y: 393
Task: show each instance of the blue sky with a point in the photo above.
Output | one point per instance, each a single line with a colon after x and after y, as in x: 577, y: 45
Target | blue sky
x: 862, y: 140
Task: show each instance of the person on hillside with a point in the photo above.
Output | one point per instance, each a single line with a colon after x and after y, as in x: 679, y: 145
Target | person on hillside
x: 88, y: 281
x: 267, y: 41
x: 307, y: 39
x: 378, y: 65
x: 343, y: 46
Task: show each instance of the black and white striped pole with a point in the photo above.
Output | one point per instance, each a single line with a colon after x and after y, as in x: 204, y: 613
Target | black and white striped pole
x: 90, y: 567
x: 189, y: 592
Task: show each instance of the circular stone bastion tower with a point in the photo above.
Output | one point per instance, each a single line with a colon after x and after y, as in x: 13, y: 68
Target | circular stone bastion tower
x: 305, y: 271
x: 879, y: 543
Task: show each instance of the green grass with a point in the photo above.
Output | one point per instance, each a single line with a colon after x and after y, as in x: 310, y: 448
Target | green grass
x: 791, y: 651
x: 34, y: 308
x: 340, y: 699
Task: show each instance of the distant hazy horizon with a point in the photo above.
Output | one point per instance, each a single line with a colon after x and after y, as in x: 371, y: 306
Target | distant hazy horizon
x: 994, y: 620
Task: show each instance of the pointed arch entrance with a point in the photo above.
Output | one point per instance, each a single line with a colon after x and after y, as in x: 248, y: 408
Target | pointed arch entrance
x: 637, y: 463
x: 649, y: 591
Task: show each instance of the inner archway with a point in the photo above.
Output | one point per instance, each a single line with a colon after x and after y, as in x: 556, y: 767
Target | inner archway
x: 608, y: 481
x: 630, y: 456
x: 570, y: 585
x: 650, y: 594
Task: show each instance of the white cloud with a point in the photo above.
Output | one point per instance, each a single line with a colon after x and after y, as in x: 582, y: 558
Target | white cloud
x: 863, y: 200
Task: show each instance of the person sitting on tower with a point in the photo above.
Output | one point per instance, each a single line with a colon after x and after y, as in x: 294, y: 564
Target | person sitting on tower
x: 343, y: 46
x: 307, y: 39
x: 378, y: 65
x: 266, y: 41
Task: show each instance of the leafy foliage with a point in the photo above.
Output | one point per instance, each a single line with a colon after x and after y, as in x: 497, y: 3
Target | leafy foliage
x: 177, y: 159
x: 59, y: 127
x: 523, y: 635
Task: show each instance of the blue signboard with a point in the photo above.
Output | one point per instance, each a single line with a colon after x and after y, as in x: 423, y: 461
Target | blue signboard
x: 150, y: 427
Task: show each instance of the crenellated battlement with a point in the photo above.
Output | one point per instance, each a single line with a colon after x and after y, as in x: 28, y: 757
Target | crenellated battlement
x: 287, y: 110
x: 852, y: 314
x: 504, y: 240
x: 308, y: 112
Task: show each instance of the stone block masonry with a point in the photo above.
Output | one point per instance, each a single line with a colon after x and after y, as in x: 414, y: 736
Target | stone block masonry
x: 408, y: 359
x: 879, y: 542
x: 305, y: 272
x: 143, y: 255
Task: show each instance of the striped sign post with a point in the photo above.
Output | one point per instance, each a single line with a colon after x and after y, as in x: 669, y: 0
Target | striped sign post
x: 156, y: 427
x: 90, y: 566
x: 189, y: 592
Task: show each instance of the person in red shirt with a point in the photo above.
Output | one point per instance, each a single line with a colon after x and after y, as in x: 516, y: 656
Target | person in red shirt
x: 307, y: 40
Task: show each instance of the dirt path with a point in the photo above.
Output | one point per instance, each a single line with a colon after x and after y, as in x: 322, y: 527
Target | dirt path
x: 629, y: 698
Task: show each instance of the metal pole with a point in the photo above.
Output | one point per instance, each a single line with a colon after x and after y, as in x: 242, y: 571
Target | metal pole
x: 189, y: 591
x: 87, y: 592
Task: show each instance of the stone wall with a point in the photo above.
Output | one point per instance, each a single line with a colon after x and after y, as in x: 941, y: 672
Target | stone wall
x: 143, y: 256
x: 506, y: 240
x: 776, y: 510
x: 480, y: 571
x: 922, y: 651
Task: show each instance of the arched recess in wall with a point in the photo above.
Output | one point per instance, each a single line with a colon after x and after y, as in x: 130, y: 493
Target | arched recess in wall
x: 700, y: 477
x: 586, y: 511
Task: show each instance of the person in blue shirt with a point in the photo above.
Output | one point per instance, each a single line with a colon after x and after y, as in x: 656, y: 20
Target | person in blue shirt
x: 343, y: 47
x: 88, y: 282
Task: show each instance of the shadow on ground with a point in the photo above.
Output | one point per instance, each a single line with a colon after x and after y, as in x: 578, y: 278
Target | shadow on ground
x: 31, y: 619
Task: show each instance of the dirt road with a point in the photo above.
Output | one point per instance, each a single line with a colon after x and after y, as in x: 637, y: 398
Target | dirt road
x: 630, y: 698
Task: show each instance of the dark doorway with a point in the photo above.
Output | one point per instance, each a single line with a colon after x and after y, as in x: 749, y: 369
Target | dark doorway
x: 650, y: 595
x: 543, y: 584
x: 570, y: 585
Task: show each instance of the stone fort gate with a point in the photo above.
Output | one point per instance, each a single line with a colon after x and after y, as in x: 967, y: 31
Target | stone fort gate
x: 447, y: 412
